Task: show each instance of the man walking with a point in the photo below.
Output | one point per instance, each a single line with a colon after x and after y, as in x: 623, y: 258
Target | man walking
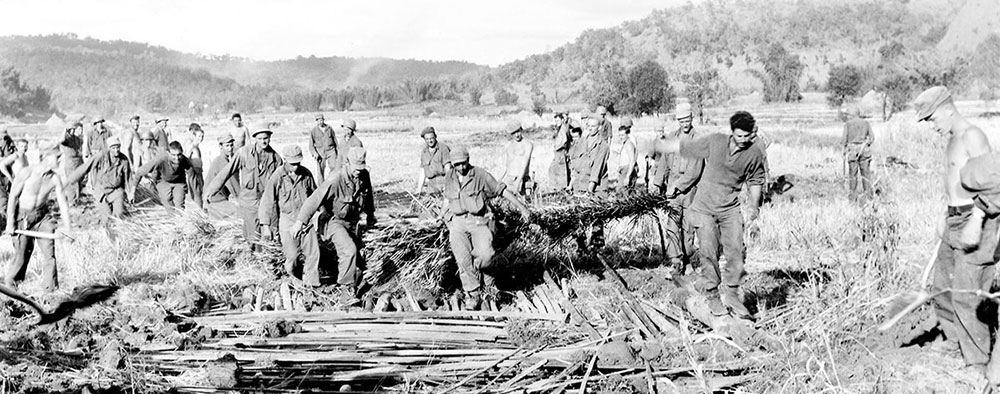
x: 323, y: 146
x: 517, y: 160
x: 559, y: 169
x: 856, y: 144
x: 626, y: 168
x: 28, y: 209
x: 284, y: 194
x: 218, y: 203
x: 963, y: 262
x: 173, y: 171
x: 684, y: 174
x: 345, y: 196
x: 111, y: 174
x: 730, y: 161
x: 434, y: 163
x: 253, y: 165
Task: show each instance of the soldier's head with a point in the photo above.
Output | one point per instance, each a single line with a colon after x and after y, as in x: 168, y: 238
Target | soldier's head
x: 515, y: 130
x: 134, y: 122
x: 98, y: 122
x: 684, y: 117
x: 237, y: 120
x: 320, y: 120
x: 429, y: 136
x: 50, y: 154
x: 293, y: 157
x: 21, y: 144
x: 349, y: 126
x: 262, y: 136
x: 937, y: 106
x: 161, y: 122
x: 175, y: 152
x: 226, y: 144
x: 78, y: 128
x: 197, y: 133
x: 114, y: 147
x: 602, y: 111
x: 593, y: 126
x: 146, y: 139
x: 744, y: 129
x: 460, y: 160
x: 626, y: 126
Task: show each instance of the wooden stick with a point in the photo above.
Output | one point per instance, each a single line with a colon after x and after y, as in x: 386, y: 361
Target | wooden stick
x: 471, y: 376
x: 586, y: 376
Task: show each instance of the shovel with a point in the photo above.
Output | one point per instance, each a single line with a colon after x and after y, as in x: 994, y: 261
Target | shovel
x: 906, y: 303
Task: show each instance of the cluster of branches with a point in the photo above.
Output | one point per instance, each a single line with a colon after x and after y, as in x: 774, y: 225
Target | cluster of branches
x: 643, y: 89
x: 17, y: 98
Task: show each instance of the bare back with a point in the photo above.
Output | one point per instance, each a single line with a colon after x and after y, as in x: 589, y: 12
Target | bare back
x: 963, y: 145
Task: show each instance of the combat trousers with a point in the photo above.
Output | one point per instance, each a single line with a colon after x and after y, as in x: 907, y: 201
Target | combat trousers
x: 72, y: 189
x: 680, y: 234
x: 471, y: 239
x: 197, y: 181
x: 221, y: 208
x: 965, y: 270
x: 559, y: 170
x: 172, y: 194
x: 862, y: 167
x: 112, y: 204
x: 344, y: 237
x: 34, y: 220
x: 304, y: 247
x: 251, y: 225
x: 726, y: 229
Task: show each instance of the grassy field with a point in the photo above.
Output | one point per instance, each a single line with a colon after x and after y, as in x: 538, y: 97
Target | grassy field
x: 822, y: 270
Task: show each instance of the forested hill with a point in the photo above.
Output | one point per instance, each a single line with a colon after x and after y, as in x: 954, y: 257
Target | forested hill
x: 112, y: 76
x: 732, y: 35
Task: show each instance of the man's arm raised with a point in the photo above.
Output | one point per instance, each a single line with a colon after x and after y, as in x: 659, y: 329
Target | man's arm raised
x: 63, y: 203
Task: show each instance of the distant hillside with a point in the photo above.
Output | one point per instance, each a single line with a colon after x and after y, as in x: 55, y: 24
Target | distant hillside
x: 730, y: 36
x: 114, y: 76
x: 975, y: 21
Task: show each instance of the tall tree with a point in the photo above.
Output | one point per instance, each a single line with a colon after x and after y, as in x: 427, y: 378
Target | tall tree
x: 781, y: 74
x: 843, y: 82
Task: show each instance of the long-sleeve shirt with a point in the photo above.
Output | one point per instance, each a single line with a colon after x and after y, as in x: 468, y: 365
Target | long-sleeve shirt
x: 323, y: 141
x: 284, y: 194
x: 517, y: 161
x: 108, y: 172
x: 726, y: 169
x: 96, y: 140
x: 169, y: 171
x: 857, y: 131
x: 433, y: 161
x: 344, y: 145
x: 160, y: 137
x: 71, y: 146
x: 253, y: 166
x: 230, y: 187
x: 597, y: 159
x: 343, y: 197
x: 627, y: 154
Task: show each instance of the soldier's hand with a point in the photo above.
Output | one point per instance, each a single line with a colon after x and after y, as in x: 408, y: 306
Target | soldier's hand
x: 970, y: 235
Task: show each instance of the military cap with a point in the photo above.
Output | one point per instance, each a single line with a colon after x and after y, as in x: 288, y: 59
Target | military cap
x: 350, y: 124
x: 263, y: 127
x: 683, y: 111
x: 134, y: 117
x: 601, y: 110
x: 145, y: 135
x: 112, y: 141
x: 927, y: 102
x: 98, y: 119
x: 626, y: 122
x: 225, y: 139
x: 459, y: 155
x: 319, y: 117
x: 427, y: 130
x: 513, y: 126
x: 161, y: 119
x: 292, y: 154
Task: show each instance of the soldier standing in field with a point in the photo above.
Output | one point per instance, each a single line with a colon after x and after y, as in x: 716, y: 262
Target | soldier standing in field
x: 345, y: 196
x: 856, y: 143
x: 559, y: 172
x: 964, y: 260
x: 129, y: 136
x: 684, y: 175
x: 578, y: 165
x: 467, y: 190
x: 626, y: 167
x: 12, y: 165
x: 284, y: 194
x: 596, y: 169
x: 110, y: 176
x: 160, y: 135
x: 173, y: 169
x: 323, y: 146
x: 239, y: 131
x: 29, y: 208
x: 434, y: 162
x: 517, y: 160
x: 253, y: 165
x: 96, y: 139
x: 219, y: 203
x: 71, y: 158
x: 195, y: 178
x: 349, y: 140
x: 603, y: 123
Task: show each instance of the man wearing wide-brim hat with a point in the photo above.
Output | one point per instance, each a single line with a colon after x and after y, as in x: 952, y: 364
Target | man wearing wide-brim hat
x: 470, y: 223
x: 517, y: 159
x: 112, y: 176
x: 323, y: 147
x: 284, y: 194
x: 965, y: 259
x: 253, y: 165
x: 346, y: 196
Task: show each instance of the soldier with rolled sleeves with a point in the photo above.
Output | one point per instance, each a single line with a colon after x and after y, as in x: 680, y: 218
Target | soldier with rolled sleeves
x: 470, y: 222
x: 284, y: 194
x: 323, y: 146
x: 111, y: 175
x: 96, y: 140
x: 345, y: 196
x: 434, y: 162
x: 253, y: 165
x: 856, y: 144
x: 559, y: 172
x: 218, y: 204
x: 964, y: 261
x: 517, y: 160
x: 174, y: 170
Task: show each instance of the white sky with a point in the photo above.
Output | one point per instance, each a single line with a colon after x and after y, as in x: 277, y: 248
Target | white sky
x: 486, y: 32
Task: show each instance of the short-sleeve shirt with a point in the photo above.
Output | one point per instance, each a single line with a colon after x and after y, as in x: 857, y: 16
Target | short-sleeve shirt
x: 433, y: 161
x: 469, y: 195
x: 724, y: 172
x: 285, y: 193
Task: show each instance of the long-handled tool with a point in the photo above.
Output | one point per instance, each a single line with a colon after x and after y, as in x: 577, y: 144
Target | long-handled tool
x: 913, y: 300
x: 44, y: 235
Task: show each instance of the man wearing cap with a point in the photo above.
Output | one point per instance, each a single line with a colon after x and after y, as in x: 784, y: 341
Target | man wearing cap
x: 71, y: 158
x: 964, y: 261
x: 467, y: 190
x: 29, y: 209
x: 160, y: 134
x: 323, y: 146
x: 627, y: 167
x: 239, y: 131
x: 12, y: 165
x: 981, y: 177
x: 350, y: 138
x: 148, y: 150
x: 110, y: 176
x: 218, y: 203
x: 96, y: 139
x: 434, y: 162
x: 596, y: 169
x: 856, y: 144
x: 173, y: 169
x: 253, y: 165
x: 604, y: 124
x: 345, y: 196
x: 559, y: 172
x: 517, y: 160
x: 683, y: 176
x: 730, y: 162
x: 129, y: 136
x: 284, y: 193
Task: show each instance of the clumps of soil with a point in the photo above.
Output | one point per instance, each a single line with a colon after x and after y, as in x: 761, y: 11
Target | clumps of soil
x: 277, y: 328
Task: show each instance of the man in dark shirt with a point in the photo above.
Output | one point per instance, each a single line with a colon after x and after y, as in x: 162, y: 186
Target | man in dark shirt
x: 857, y: 142
x: 71, y: 158
x: 730, y: 161
x: 174, y: 170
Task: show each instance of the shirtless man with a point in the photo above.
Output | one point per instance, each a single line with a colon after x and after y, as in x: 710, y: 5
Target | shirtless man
x: 968, y: 238
x: 13, y: 164
x: 517, y: 160
x: 29, y: 208
x: 129, y: 136
x: 240, y: 132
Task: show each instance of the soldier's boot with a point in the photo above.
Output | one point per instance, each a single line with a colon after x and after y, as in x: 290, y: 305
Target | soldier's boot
x: 731, y: 299
x: 347, y: 295
x: 715, y: 304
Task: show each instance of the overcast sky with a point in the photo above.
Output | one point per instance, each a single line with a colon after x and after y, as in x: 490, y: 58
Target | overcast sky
x: 485, y: 32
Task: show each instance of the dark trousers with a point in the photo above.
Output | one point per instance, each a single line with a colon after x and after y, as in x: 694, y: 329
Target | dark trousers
x: 859, y: 168
x: 965, y: 270
x: 34, y: 220
x: 559, y: 170
x: 345, y: 239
